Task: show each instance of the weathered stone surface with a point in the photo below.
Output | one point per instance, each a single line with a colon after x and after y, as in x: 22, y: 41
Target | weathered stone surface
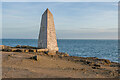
x: 51, y: 53
x: 26, y: 50
x: 5, y: 48
x: 2, y: 47
x: 13, y: 50
x: 28, y: 47
x: 18, y: 46
x: 32, y: 50
x: 22, y: 50
x: 61, y: 54
x: 42, y: 50
x: 104, y: 61
x: 18, y: 50
x: 35, y: 57
x: 47, y: 37
x: 66, y: 54
x: 95, y: 67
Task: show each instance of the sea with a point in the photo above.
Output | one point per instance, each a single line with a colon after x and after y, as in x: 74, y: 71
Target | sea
x: 104, y: 49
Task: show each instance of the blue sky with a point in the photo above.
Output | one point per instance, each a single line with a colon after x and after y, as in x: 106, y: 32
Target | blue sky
x: 73, y: 20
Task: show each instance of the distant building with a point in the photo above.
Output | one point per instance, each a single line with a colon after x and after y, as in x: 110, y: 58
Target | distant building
x: 47, y: 36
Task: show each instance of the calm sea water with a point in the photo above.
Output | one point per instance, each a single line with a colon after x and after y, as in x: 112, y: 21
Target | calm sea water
x: 106, y: 49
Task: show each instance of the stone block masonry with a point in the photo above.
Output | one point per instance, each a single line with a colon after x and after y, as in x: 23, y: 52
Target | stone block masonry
x: 47, y: 36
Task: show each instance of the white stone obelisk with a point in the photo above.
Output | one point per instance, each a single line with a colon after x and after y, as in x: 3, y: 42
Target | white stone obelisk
x: 47, y: 36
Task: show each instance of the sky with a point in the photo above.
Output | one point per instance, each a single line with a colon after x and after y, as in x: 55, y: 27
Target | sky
x: 60, y: 0
x: 73, y: 20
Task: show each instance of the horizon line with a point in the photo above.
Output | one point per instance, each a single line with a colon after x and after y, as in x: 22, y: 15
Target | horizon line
x: 69, y: 39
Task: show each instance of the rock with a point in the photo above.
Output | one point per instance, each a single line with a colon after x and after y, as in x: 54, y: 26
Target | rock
x: 87, y: 62
x: 36, y: 58
x: 32, y: 50
x: 2, y: 47
x: 105, y: 61
x: 62, y: 55
x: 51, y: 53
x: 42, y: 50
x: 18, y: 50
x: 66, y: 54
x: 28, y: 47
x: 96, y: 65
x: 92, y: 58
x: 5, y: 48
x: 83, y: 69
x: 18, y: 46
x: 13, y: 49
x: 26, y: 50
x: 114, y: 65
x: 91, y: 64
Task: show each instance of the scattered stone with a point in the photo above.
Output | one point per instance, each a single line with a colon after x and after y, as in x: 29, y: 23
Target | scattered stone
x: 114, y: 66
x: 1, y: 47
x: 18, y: 50
x: 83, y: 69
x: 26, y: 50
x: 68, y: 59
x: 51, y: 53
x: 91, y: 64
x: 66, y: 54
x: 87, y: 62
x: 42, y: 50
x: 96, y: 65
x: 28, y: 47
x: 13, y: 50
x: 61, y: 54
x: 18, y: 46
x: 5, y: 48
x: 105, y: 61
x: 32, y: 50
x: 35, y: 57
x: 73, y: 68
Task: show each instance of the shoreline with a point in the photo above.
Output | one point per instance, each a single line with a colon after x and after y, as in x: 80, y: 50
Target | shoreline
x: 26, y: 47
x: 45, y: 64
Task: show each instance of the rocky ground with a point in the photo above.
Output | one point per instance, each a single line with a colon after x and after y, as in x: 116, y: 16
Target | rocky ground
x: 23, y: 65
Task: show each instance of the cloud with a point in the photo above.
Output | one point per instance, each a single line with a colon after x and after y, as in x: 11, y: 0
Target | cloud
x: 88, y: 34
x: 94, y: 19
x: 72, y: 20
